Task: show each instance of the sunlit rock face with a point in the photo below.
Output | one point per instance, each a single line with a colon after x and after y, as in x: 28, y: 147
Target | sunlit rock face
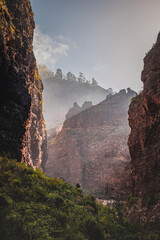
x: 144, y: 141
x: 92, y: 148
x: 22, y: 127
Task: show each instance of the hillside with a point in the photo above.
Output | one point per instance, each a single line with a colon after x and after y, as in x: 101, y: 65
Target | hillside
x: 36, y: 207
x: 59, y: 95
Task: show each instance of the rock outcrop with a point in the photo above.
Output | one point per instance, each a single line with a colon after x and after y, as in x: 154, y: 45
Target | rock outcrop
x: 22, y: 126
x: 144, y: 142
x: 44, y: 71
x: 92, y: 148
x: 77, y: 109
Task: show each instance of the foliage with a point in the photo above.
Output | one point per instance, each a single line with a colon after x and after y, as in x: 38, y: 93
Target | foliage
x: 94, y: 82
x: 59, y: 74
x: 81, y: 78
x: 35, y: 207
x: 71, y: 77
x: 151, y: 200
x: 131, y: 200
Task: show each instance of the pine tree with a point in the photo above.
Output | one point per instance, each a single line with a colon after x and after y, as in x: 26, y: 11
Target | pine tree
x: 71, y: 77
x: 81, y: 78
x: 94, y: 82
x: 59, y: 74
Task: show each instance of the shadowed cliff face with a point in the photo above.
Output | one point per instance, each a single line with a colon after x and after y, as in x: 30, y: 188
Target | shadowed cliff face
x: 92, y: 148
x: 22, y: 128
x: 144, y: 140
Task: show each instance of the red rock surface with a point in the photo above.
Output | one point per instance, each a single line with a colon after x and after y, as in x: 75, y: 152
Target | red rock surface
x: 92, y: 148
x: 22, y: 127
x: 144, y: 140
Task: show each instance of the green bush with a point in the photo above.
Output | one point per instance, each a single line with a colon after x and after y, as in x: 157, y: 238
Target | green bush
x: 151, y: 200
x: 35, y: 207
x: 131, y: 200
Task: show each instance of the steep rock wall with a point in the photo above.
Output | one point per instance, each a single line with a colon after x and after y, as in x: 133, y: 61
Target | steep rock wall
x: 144, y: 142
x: 22, y: 127
x: 92, y: 148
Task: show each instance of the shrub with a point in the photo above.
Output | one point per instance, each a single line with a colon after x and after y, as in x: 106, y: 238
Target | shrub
x: 35, y: 207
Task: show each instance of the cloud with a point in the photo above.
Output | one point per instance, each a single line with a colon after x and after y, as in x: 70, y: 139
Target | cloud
x: 98, y: 68
x: 47, y: 50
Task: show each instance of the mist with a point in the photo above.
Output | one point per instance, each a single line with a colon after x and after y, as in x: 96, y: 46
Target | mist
x: 105, y: 39
x: 60, y: 94
x: 79, y: 148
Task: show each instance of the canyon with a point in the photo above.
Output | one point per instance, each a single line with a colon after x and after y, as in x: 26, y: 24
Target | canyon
x: 92, y: 150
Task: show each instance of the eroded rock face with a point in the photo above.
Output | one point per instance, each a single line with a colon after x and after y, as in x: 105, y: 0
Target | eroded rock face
x: 22, y: 127
x: 77, y: 109
x: 92, y: 148
x: 144, y: 140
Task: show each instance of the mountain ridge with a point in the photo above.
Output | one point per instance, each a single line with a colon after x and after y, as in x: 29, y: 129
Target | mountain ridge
x: 92, y: 150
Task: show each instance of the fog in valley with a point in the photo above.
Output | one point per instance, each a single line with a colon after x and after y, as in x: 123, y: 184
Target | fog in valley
x: 80, y: 120
x: 61, y: 92
x: 106, y: 40
x: 103, y: 39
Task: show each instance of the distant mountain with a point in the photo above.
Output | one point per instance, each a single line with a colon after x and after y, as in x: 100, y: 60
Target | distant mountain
x: 77, y: 109
x: 92, y: 150
x: 60, y: 94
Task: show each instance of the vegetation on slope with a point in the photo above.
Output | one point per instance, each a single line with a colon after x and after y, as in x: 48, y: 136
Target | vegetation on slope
x: 59, y: 96
x: 35, y: 207
x: 46, y: 73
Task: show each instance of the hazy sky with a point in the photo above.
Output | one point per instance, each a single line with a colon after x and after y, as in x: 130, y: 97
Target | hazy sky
x: 105, y: 39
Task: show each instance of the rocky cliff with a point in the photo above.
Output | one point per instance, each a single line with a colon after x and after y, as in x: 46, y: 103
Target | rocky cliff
x: 77, y: 109
x: 92, y: 148
x: 22, y: 127
x: 144, y: 141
